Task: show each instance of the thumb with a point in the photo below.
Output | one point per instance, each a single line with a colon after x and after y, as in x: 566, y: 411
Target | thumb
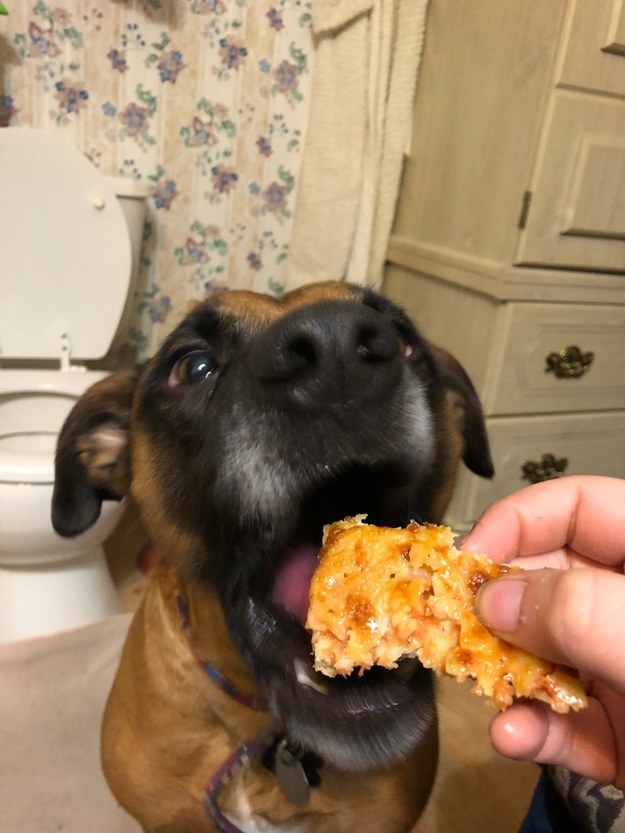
x: 574, y: 617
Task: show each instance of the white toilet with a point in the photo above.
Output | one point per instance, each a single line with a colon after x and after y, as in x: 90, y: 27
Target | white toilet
x: 69, y: 246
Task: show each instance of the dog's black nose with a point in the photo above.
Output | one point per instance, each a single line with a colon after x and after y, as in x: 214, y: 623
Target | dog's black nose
x: 329, y: 352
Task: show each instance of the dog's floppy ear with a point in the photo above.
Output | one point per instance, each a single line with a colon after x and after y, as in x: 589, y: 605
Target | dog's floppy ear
x: 92, y: 456
x: 467, y: 412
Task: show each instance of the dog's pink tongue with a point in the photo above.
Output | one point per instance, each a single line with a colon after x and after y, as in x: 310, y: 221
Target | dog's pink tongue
x: 292, y: 584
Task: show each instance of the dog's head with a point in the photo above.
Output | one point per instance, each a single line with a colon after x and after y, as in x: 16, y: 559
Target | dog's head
x: 256, y: 423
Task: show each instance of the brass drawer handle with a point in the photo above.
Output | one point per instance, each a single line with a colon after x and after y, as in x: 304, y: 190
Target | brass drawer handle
x: 547, y: 468
x: 570, y: 363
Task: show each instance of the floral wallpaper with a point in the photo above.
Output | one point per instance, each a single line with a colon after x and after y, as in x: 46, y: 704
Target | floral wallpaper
x: 203, y: 100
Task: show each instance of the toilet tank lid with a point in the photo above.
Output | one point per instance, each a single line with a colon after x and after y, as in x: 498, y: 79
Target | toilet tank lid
x: 64, y: 248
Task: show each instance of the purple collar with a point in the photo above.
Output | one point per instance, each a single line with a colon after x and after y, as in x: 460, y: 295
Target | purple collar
x: 243, y: 754
x: 256, y: 702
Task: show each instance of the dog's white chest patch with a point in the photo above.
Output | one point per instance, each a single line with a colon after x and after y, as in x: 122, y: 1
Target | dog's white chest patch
x: 240, y: 814
x: 255, y: 825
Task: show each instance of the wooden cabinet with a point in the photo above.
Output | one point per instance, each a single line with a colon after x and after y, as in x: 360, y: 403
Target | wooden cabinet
x: 508, y: 246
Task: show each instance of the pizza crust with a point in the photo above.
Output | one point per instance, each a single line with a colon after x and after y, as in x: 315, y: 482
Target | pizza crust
x: 381, y: 594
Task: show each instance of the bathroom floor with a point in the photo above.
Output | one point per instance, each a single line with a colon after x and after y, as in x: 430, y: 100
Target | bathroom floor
x: 475, y: 788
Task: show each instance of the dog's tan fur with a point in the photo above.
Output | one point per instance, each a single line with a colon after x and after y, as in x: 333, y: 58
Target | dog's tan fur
x: 159, y: 752
x: 167, y: 728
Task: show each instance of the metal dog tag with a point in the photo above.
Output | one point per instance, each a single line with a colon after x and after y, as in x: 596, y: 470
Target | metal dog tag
x: 291, y: 775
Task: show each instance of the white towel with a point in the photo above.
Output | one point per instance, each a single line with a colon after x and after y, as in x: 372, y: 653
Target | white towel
x: 367, y: 55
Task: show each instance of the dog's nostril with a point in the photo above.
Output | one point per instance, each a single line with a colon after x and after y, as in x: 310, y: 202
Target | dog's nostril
x: 285, y: 357
x: 302, y: 352
x: 289, y: 360
x: 376, y: 345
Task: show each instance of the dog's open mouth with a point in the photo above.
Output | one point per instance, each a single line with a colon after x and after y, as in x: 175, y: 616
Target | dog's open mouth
x: 362, y: 721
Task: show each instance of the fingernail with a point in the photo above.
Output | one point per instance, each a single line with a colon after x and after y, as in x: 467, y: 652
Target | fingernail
x: 498, y: 604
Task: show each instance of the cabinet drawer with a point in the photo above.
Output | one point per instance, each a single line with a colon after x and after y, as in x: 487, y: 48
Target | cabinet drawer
x: 534, y: 375
x: 589, y: 443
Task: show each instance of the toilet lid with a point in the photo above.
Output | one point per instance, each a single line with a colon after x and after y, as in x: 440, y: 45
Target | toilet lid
x: 64, y: 250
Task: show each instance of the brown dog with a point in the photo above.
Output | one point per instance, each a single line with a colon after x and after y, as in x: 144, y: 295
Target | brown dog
x: 257, y: 422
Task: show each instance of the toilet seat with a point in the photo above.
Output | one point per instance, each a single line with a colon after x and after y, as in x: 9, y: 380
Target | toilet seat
x: 28, y: 442
x: 65, y: 248
x: 27, y: 457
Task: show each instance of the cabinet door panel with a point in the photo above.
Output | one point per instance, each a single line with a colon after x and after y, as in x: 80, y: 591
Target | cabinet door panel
x: 593, y: 51
x: 577, y: 215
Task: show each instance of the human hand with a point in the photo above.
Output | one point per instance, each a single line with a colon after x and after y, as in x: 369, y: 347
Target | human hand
x: 570, y: 607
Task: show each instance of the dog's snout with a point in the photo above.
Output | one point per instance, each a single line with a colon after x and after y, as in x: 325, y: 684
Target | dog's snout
x: 328, y: 352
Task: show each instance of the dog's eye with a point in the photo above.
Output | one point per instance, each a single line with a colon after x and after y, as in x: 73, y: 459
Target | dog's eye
x: 192, y: 367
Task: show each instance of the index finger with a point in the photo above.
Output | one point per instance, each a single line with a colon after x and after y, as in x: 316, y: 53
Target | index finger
x: 583, y: 513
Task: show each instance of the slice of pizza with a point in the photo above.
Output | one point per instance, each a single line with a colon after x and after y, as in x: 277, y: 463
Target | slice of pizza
x: 380, y: 594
